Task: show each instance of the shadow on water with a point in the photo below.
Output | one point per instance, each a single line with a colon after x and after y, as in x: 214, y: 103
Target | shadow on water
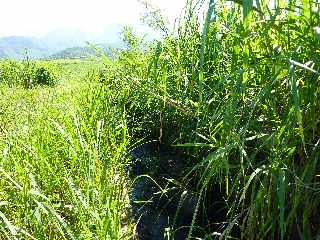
x: 162, y: 206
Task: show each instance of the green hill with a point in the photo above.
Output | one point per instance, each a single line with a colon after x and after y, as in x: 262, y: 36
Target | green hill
x: 85, y: 52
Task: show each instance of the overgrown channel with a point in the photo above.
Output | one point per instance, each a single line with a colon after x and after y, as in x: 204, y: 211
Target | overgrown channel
x: 163, y: 205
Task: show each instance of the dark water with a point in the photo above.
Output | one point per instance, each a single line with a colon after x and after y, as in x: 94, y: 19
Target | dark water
x: 162, y: 206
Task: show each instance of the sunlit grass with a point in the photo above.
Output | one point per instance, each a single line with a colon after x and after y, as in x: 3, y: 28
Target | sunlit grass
x: 242, y: 86
x: 238, y: 89
x: 60, y: 175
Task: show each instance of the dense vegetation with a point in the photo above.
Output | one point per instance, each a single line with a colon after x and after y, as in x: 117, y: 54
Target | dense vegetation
x: 28, y: 73
x: 61, y: 150
x: 238, y: 91
x: 241, y: 90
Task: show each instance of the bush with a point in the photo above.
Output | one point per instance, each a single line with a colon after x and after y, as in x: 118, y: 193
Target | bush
x: 44, y: 75
x: 27, y: 73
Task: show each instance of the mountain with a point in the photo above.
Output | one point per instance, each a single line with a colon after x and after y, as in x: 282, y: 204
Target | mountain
x: 53, y: 45
x: 67, y: 42
x: 61, y: 39
x: 3, y: 54
x: 15, y: 46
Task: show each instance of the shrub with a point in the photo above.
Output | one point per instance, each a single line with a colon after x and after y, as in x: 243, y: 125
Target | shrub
x: 45, y: 75
x: 27, y: 73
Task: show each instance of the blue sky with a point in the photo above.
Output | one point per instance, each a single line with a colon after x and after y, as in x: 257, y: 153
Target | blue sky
x: 38, y: 17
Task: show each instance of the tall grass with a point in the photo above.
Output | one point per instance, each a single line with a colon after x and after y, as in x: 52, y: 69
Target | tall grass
x: 61, y: 165
x: 240, y: 89
x: 235, y: 84
x: 28, y: 74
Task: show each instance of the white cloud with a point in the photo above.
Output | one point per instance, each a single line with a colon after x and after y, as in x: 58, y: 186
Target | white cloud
x: 38, y: 17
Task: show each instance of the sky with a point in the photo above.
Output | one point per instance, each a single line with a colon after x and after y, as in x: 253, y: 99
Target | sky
x: 39, y: 17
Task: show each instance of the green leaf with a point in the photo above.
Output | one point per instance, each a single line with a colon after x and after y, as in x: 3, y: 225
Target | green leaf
x: 247, y: 8
x: 281, y: 193
x: 252, y: 176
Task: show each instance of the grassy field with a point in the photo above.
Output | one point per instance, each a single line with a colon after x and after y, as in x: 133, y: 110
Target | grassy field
x: 61, y: 152
x: 237, y: 90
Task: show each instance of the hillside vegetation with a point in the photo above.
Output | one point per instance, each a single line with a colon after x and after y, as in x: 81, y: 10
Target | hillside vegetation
x: 88, y: 52
x: 237, y: 91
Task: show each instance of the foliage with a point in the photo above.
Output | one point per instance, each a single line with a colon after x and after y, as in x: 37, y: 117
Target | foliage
x: 153, y: 17
x: 240, y: 89
x: 62, y: 151
x: 44, y: 75
x: 10, y: 72
x: 28, y: 73
x: 129, y: 62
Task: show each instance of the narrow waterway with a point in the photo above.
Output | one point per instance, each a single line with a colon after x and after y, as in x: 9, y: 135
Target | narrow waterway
x: 162, y: 206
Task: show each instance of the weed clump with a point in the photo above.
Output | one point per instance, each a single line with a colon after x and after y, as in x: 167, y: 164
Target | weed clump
x: 27, y: 74
x: 44, y: 75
